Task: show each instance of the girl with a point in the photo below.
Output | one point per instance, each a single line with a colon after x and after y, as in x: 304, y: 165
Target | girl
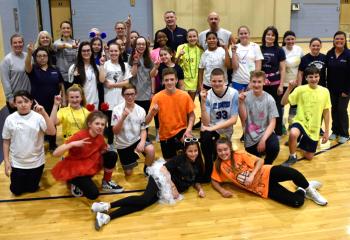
x: 338, y: 74
x: 86, y: 155
x: 66, y: 50
x: 23, y: 143
x: 214, y: 57
x: 188, y: 56
x: 44, y: 40
x: 249, y: 172
x: 165, y: 184
x: 293, y: 54
x: 160, y: 41
x: 13, y: 75
x: 122, y: 48
x: 115, y: 74
x: 85, y: 73
x: 274, y: 65
x: 96, y: 45
x: 46, y: 81
x: 74, y: 115
x: 141, y: 70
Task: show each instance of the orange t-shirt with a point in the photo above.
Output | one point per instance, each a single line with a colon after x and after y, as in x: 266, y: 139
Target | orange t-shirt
x: 244, y: 165
x: 173, y: 110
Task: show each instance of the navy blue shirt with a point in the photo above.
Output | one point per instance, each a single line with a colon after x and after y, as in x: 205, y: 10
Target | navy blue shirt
x: 318, y: 61
x: 45, y: 85
x: 271, y: 62
x: 176, y: 37
x: 338, y: 72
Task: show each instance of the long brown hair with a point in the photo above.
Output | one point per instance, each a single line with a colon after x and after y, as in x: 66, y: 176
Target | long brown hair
x: 218, y: 160
x: 199, y: 160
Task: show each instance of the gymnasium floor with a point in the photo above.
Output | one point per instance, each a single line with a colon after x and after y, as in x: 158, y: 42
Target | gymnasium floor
x: 52, y: 213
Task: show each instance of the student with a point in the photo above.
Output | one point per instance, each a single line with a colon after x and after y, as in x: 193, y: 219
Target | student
x: 219, y: 111
x: 313, y: 102
x: 73, y: 116
x: 165, y: 184
x: 188, y: 56
x: 24, y: 159
x: 160, y: 41
x: 86, y: 155
x: 249, y: 172
x: 129, y: 127
x: 258, y: 110
x: 274, y: 65
x: 96, y: 45
x: 175, y: 112
x: 12, y: 68
x: 338, y: 83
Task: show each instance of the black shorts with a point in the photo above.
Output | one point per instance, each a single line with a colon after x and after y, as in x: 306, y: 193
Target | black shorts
x: 172, y: 145
x: 128, y: 157
x: 306, y: 143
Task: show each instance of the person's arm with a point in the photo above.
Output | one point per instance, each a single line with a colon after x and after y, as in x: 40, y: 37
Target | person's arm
x: 269, y: 130
x: 62, y: 93
x: 50, y: 127
x: 300, y: 77
x: 217, y: 186
x: 291, y: 85
x: 191, y: 117
x: 205, y: 118
x: 199, y: 189
x: 258, y: 65
x: 154, y: 72
x: 326, y: 117
x: 259, y: 162
x: 53, y: 115
x: 151, y: 113
x: 6, y: 150
x: 5, y: 78
x: 200, y: 79
x: 228, y: 123
x: 227, y: 58
x: 59, y: 151
x: 28, y: 61
x: 118, y: 127
x: 102, y: 73
x: 235, y: 61
x: 242, y: 109
x: 282, y: 69
x: 141, y: 145
x: 128, y: 24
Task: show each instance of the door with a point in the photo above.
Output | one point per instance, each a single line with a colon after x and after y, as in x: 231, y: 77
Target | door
x: 60, y: 11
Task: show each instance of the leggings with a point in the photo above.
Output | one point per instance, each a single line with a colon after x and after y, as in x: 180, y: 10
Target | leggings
x: 136, y: 203
x: 281, y: 194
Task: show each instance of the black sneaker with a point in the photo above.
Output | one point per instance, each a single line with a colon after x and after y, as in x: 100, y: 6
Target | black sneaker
x: 291, y: 160
x: 197, y: 125
x: 242, y: 138
x: 111, y: 186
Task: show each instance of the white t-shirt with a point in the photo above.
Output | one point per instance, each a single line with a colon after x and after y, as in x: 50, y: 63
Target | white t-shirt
x: 293, y: 59
x: 220, y: 109
x: 247, y: 55
x: 27, y: 139
x: 132, y: 125
x: 114, y: 74
x: 211, y: 60
x: 223, y: 35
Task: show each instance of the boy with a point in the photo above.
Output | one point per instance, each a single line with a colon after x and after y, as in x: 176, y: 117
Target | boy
x: 175, y: 112
x: 219, y: 110
x: 23, y: 143
x: 129, y: 128
x: 313, y: 102
x: 258, y: 110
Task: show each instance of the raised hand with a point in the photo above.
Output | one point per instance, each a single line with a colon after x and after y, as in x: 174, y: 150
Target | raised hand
x: 30, y: 48
x: 38, y: 108
x: 125, y: 113
x: 80, y: 143
x: 242, y: 97
x: 203, y: 93
x: 58, y: 100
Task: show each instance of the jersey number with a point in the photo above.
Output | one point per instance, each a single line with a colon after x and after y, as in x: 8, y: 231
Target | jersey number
x: 221, y: 115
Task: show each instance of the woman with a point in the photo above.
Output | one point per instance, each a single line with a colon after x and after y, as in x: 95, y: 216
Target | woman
x: 13, y: 75
x: 165, y: 184
x: 274, y: 65
x: 44, y: 39
x: 46, y: 81
x: 249, y: 172
x: 85, y: 73
x: 86, y: 156
x: 65, y: 48
x: 338, y: 82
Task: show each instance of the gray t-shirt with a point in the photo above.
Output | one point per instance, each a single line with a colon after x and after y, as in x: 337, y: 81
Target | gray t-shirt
x: 260, y: 110
x: 65, y: 57
x: 142, y: 81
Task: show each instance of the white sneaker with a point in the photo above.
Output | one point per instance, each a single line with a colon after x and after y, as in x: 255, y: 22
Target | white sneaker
x: 76, y: 192
x: 101, y: 219
x: 157, y: 135
x: 102, y: 207
x: 315, y: 184
x: 332, y: 137
x: 312, y: 194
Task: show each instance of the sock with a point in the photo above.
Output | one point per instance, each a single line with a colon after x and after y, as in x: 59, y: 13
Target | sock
x: 293, y: 155
x: 107, y: 174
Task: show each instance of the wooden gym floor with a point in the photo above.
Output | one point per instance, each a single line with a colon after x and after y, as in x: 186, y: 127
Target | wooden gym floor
x: 52, y: 213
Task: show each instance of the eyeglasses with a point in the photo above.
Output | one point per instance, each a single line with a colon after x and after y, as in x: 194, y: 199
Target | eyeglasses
x: 191, y: 140
x: 42, y: 56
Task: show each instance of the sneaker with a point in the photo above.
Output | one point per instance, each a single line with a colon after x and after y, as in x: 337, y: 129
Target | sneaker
x: 315, y: 184
x: 312, y: 194
x: 332, y: 137
x: 197, y: 125
x: 242, y: 138
x: 342, y: 139
x: 111, y: 186
x: 102, y: 207
x: 157, y: 135
x: 291, y: 160
x: 76, y: 192
x: 101, y: 219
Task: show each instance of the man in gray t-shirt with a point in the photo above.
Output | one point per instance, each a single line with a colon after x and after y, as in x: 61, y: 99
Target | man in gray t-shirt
x: 258, y: 109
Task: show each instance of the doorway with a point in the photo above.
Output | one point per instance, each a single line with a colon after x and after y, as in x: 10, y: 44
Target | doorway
x: 60, y: 11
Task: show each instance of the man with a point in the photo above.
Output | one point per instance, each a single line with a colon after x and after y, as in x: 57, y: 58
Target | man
x: 122, y: 30
x: 176, y: 35
x: 223, y: 34
x: 175, y: 113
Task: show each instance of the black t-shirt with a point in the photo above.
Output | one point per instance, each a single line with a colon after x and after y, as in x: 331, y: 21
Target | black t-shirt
x: 318, y: 61
x: 183, y: 173
x: 176, y: 37
x: 271, y: 62
x: 338, y: 71
x: 162, y: 66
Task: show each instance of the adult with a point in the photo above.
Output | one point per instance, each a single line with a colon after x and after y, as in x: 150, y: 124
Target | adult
x: 176, y: 35
x: 13, y: 75
x: 122, y: 30
x: 44, y: 39
x: 224, y: 35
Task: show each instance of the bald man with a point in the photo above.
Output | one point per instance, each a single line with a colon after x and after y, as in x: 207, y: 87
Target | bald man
x: 223, y: 34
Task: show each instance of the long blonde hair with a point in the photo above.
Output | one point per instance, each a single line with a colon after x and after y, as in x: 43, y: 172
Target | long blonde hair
x: 37, y: 43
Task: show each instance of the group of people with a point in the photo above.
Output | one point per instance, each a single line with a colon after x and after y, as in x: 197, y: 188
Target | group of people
x: 97, y: 90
